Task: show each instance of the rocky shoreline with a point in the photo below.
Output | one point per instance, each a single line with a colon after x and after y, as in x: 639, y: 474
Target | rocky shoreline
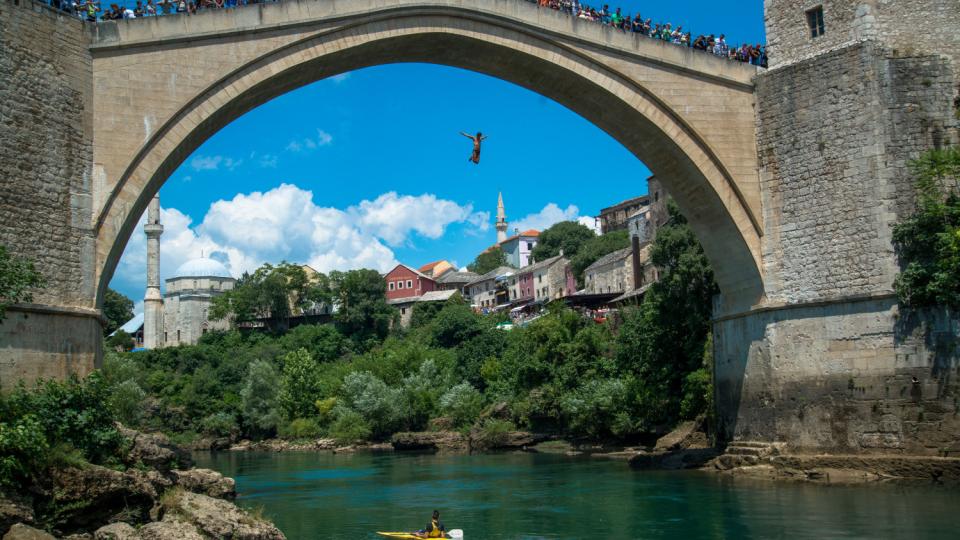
x: 160, y: 496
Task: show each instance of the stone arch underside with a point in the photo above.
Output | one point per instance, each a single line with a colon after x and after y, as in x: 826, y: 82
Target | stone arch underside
x: 625, y: 109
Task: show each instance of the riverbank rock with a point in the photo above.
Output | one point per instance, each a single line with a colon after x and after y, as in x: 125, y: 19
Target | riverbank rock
x: 116, y: 531
x: 447, y: 441
x: 217, y: 518
x: 206, y: 482
x: 94, y: 495
x: 843, y: 470
x: 155, y: 451
x: 691, y: 458
x: 686, y: 435
x: 170, y: 528
x: 509, y: 440
x: 14, y: 510
x: 25, y: 532
x: 280, y: 445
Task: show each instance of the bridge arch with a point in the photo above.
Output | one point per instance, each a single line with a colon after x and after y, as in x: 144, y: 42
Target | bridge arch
x: 628, y: 96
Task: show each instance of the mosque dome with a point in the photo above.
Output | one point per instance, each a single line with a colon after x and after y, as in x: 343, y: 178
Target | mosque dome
x: 202, y: 267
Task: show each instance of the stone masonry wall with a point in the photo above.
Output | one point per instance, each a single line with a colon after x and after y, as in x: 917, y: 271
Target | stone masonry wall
x: 852, y: 377
x: 45, y: 148
x: 835, y: 135
x: 46, y: 121
x: 909, y: 28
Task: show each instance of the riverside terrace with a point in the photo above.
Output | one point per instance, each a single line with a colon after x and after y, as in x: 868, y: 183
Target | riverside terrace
x: 94, y: 11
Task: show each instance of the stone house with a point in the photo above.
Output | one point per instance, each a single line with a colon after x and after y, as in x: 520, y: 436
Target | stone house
x: 547, y: 280
x: 614, y: 272
x: 405, y: 305
x: 457, y: 281
x: 614, y: 218
x: 491, y: 289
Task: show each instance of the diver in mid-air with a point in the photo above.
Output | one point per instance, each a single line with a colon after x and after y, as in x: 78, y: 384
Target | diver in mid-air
x: 475, y: 156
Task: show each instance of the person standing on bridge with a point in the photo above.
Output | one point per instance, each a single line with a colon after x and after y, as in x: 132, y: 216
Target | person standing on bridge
x: 475, y: 156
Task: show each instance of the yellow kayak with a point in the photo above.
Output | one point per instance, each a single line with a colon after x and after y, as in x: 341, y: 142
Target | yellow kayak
x: 405, y: 535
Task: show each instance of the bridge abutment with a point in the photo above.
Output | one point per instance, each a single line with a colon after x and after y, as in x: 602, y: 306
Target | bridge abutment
x: 829, y: 362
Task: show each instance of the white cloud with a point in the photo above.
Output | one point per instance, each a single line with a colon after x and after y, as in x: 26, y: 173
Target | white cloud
x: 265, y: 161
x: 206, y: 163
x: 393, y: 217
x: 340, y: 78
x: 590, y: 222
x: 212, y: 163
x: 284, y: 223
x: 298, y: 145
x: 550, y: 214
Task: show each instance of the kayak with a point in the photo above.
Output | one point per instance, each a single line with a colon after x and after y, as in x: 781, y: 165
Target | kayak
x: 401, y: 535
x: 455, y: 533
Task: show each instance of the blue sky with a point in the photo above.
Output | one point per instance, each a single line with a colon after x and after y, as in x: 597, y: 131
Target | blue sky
x: 369, y: 168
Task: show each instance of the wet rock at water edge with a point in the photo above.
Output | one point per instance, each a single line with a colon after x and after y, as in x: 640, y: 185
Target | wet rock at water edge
x: 206, y: 482
x: 25, y: 532
x: 450, y: 441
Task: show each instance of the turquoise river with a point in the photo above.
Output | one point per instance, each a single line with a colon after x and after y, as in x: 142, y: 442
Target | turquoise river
x: 534, y: 496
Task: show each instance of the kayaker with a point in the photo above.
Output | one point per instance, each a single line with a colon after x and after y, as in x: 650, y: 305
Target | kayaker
x: 435, y: 529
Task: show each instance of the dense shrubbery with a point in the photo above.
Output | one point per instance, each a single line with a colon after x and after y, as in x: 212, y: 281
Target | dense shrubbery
x: 928, y: 242
x: 563, y: 373
x: 54, y: 421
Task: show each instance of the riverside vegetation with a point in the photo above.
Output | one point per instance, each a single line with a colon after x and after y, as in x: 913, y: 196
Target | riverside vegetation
x: 359, y: 380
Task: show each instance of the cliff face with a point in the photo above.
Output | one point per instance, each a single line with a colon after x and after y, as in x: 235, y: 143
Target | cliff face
x: 158, y: 496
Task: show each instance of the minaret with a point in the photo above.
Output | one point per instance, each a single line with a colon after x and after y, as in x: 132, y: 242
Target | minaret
x: 501, y: 220
x: 153, y: 302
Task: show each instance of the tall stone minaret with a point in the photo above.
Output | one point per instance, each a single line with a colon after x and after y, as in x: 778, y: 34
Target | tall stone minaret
x: 501, y: 220
x: 153, y: 302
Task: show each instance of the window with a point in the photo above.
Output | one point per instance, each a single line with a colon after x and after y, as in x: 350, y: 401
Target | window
x: 399, y: 284
x: 540, y: 278
x: 815, y: 22
x: 409, y: 283
x: 403, y: 311
x: 178, y: 336
x: 529, y: 246
x: 392, y: 285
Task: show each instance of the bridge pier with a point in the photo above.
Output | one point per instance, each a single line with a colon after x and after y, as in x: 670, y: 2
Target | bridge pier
x: 851, y: 375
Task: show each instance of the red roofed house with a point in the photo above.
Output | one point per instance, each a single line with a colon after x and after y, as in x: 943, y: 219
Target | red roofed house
x: 436, y: 269
x: 405, y: 282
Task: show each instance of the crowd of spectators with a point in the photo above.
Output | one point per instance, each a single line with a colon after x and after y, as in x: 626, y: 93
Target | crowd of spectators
x: 676, y: 35
x: 93, y: 10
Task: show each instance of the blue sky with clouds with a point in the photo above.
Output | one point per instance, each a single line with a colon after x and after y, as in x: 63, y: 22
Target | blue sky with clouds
x: 368, y: 168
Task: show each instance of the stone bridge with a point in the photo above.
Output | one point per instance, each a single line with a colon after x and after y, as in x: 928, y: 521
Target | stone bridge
x: 791, y: 177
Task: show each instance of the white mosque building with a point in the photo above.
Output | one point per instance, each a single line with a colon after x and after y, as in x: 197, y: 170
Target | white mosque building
x: 181, y: 315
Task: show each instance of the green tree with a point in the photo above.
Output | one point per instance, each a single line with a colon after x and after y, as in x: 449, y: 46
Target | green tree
x: 488, y: 261
x: 928, y: 242
x: 273, y: 293
x: 363, y: 314
x: 259, y: 398
x: 595, y: 248
x: 117, y: 309
x: 662, y: 342
x: 299, y: 385
x: 17, y: 277
x: 121, y: 341
x: 566, y: 236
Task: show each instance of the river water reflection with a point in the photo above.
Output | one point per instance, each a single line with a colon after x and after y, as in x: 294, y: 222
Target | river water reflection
x: 534, y: 496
